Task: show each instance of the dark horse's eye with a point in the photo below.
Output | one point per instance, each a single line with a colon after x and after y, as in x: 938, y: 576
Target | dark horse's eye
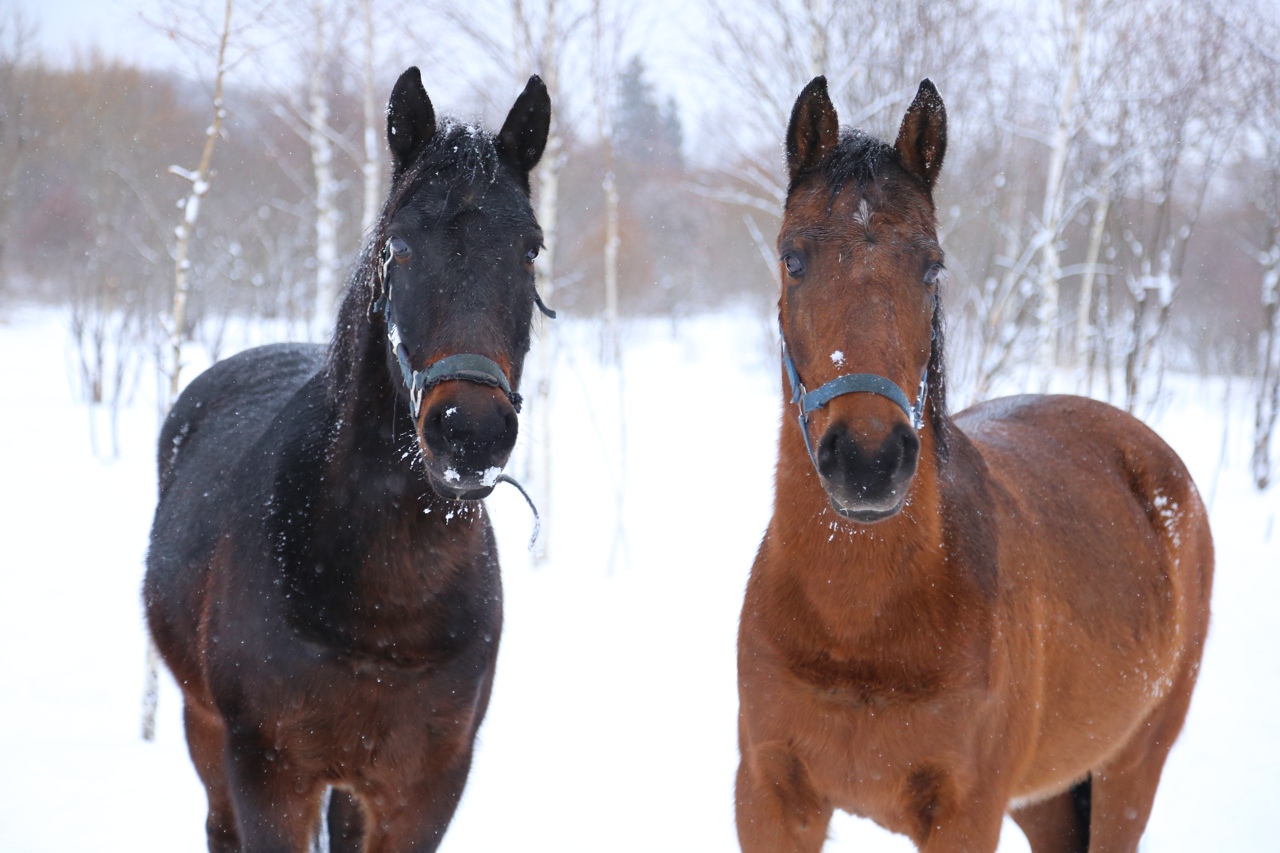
x: 931, y: 277
x: 532, y: 255
x: 795, y: 266
x: 399, y: 248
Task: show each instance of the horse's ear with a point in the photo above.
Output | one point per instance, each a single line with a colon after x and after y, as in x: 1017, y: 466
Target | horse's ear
x: 411, y: 120
x: 814, y: 128
x: 524, y: 133
x: 922, y: 139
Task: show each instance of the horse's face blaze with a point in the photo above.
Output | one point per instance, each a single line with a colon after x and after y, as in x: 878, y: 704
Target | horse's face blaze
x: 461, y: 275
x: 859, y: 262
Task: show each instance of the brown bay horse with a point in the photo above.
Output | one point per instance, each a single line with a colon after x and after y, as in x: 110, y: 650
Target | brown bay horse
x: 322, y: 580
x: 949, y: 618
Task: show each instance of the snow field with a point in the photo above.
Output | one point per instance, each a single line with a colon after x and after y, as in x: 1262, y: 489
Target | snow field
x: 612, y: 725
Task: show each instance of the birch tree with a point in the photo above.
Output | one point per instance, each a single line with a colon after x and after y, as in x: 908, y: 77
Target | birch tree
x: 1180, y: 127
x: 199, y: 179
x: 1261, y: 185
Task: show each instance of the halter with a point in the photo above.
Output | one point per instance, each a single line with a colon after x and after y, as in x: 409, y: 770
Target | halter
x: 468, y: 367
x: 853, y: 383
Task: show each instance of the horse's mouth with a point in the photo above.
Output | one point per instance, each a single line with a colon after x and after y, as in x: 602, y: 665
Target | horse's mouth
x: 454, y: 485
x: 866, y: 515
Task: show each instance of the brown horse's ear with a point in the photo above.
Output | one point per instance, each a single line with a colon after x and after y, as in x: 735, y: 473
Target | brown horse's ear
x: 814, y: 129
x: 411, y: 121
x: 922, y: 139
x: 524, y: 133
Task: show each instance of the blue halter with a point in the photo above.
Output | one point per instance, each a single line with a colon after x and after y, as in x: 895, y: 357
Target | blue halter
x: 852, y: 383
x: 467, y: 367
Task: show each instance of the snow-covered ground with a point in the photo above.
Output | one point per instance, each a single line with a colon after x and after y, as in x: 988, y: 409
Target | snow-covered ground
x: 613, y: 720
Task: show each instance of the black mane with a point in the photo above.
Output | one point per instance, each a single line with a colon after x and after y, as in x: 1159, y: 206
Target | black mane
x: 858, y: 159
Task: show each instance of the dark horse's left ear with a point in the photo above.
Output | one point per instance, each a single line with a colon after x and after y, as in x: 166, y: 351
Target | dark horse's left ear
x: 524, y: 133
x: 922, y: 139
x: 411, y: 121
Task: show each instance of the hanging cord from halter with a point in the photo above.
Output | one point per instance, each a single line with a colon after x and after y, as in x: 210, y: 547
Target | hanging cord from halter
x: 537, y: 519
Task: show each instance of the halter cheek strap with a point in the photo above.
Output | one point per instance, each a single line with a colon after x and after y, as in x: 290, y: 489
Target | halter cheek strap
x: 466, y: 367
x: 852, y: 383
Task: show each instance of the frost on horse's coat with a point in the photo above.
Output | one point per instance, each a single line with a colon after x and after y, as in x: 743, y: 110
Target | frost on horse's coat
x: 1000, y: 611
x: 321, y: 579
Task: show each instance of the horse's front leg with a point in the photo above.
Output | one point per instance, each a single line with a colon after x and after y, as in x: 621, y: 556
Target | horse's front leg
x: 953, y: 822
x: 277, y: 804
x: 778, y: 808
x: 412, y: 816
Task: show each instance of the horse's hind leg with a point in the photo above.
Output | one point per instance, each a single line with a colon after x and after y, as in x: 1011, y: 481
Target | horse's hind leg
x: 205, y: 740
x: 1125, y: 787
x: 1059, y: 824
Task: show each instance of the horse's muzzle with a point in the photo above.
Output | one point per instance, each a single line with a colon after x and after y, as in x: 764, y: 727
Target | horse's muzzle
x: 467, y: 434
x: 868, y: 484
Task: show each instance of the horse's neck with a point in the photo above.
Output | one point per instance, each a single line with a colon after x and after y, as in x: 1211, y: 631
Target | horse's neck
x: 376, y: 486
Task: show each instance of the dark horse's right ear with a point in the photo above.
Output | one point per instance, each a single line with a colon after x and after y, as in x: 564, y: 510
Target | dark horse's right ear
x: 814, y: 129
x: 524, y: 133
x: 411, y: 121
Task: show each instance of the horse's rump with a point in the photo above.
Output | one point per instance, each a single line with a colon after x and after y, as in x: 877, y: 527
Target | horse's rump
x: 1104, y: 542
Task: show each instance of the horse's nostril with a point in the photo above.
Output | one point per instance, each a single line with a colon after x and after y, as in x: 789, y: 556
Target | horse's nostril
x: 909, y: 444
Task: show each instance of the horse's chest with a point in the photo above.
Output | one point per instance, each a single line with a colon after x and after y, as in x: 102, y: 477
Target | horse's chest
x: 357, y: 720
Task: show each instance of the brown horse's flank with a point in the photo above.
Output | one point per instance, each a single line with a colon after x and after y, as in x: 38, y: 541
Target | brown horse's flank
x: 1002, y: 611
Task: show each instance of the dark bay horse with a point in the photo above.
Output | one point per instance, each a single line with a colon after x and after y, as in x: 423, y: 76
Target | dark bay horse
x: 320, y: 579
x: 948, y: 618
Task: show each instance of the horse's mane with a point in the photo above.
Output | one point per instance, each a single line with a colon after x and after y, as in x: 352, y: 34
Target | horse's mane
x: 459, y: 154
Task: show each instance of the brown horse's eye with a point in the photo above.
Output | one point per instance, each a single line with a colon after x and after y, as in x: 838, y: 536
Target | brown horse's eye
x: 795, y: 266
x: 931, y: 277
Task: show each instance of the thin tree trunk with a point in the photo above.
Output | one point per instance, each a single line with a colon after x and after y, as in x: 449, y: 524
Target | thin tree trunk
x: 819, y: 37
x: 1267, y: 408
x: 178, y: 319
x: 322, y: 166
x: 1051, y: 217
x: 548, y: 207
x: 370, y: 167
x: 1085, y: 329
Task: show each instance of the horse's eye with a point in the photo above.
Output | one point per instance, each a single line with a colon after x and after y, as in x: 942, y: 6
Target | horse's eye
x: 532, y: 255
x: 399, y: 248
x: 931, y: 277
x: 795, y: 266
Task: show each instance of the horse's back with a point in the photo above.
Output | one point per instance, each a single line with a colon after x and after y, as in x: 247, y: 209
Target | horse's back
x: 1086, y: 470
x: 1106, y: 542
x: 213, y: 425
